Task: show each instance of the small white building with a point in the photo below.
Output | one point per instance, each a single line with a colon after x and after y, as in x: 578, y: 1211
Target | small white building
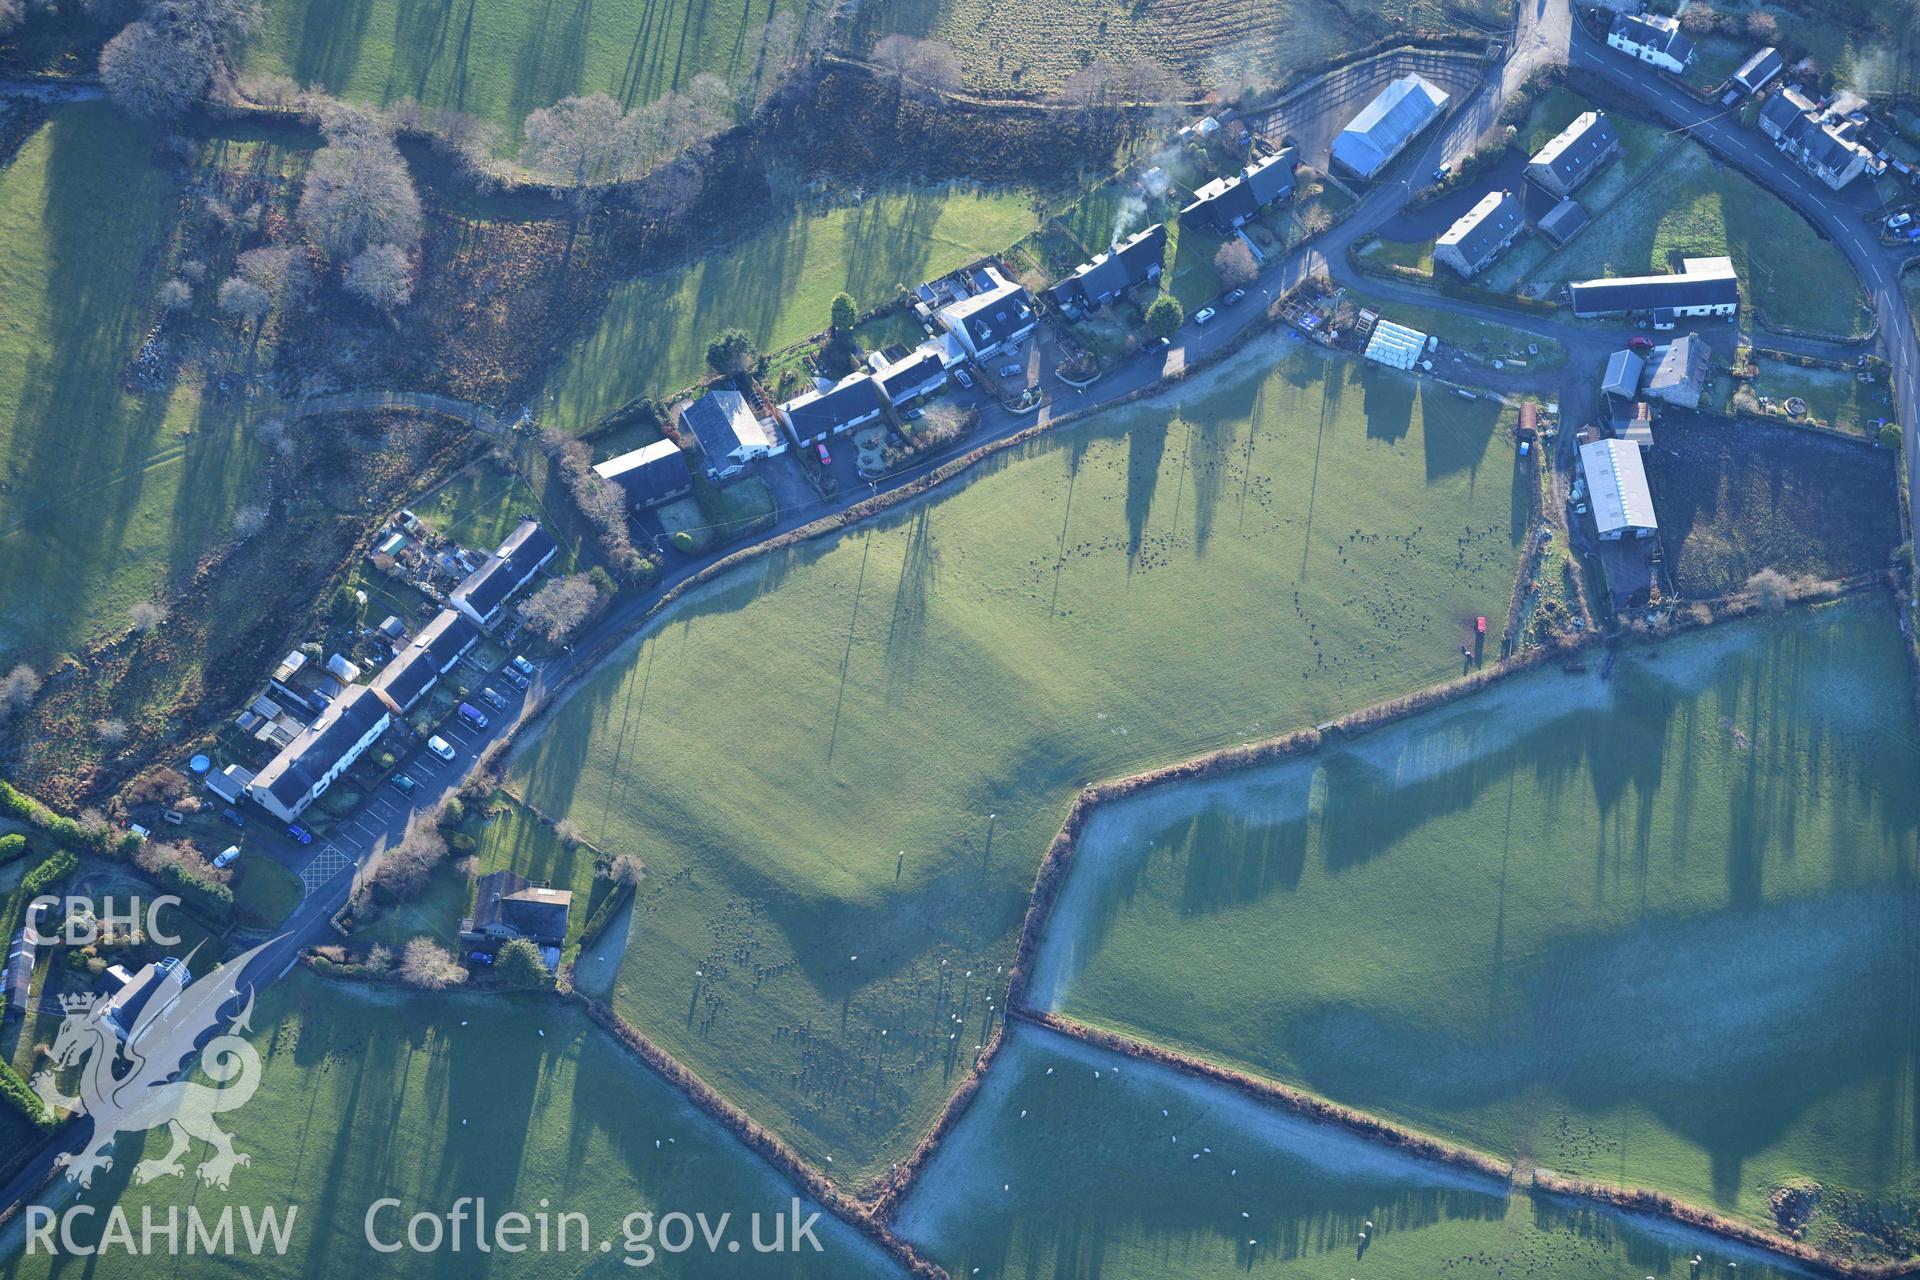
x: 1617, y: 486
x: 1000, y: 316
x: 1653, y: 38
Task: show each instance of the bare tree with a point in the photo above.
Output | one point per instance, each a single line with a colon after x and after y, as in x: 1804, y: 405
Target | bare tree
x: 1093, y: 86
x: 150, y: 74
x: 1770, y: 589
x: 557, y: 609
x: 146, y: 615
x: 18, y: 688
x: 582, y: 142
x: 1235, y: 264
x: 931, y: 66
x: 626, y: 868
x: 358, y: 191
x: 176, y: 294
x: 381, y: 277
x: 111, y: 730
x: 244, y: 298
x: 429, y: 966
x: 402, y: 871
x: 249, y: 520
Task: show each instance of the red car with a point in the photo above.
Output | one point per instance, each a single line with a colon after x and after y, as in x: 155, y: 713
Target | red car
x: 1640, y: 344
x: 826, y: 459
x: 1480, y: 624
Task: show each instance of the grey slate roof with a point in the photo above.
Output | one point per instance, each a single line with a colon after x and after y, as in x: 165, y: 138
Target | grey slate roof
x: 855, y: 398
x: 649, y: 473
x: 1575, y: 153
x: 425, y: 658
x: 1133, y: 261
x: 1706, y: 282
x: 525, y: 550
x: 1681, y: 376
x: 1763, y: 66
x: 1623, y: 374
x: 1480, y: 229
x: 1224, y: 202
x: 1564, y: 220
x: 1649, y: 35
x: 903, y: 381
x: 721, y: 421
x: 505, y: 898
x: 1386, y: 124
x: 290, y: 775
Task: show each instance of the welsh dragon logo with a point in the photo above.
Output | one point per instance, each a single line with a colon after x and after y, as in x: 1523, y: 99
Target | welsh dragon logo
x: 126, y: 1083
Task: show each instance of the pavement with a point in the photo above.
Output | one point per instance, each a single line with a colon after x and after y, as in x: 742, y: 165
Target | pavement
x: 1543, y: 31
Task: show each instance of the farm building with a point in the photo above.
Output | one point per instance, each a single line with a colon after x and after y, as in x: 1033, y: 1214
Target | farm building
x: 418, y: 665
x: 1680, y: 375
x: 1481, y: 234
x: 652, y: 474
x: 1225, y: 204
x: 1396, y: 345
x: 1574, y: 155
x: 1617, y: 484
x: 920, y: 374
x: 1757, y: 71
x: 1623, y: 375
x: 1385, y: 126
x: 124, y: 1008
x: 1135, y: 260
x: 487, y: 589
x: 1653, y: 38
x: 1564, y: 221
x: 327, y: 748
x: 509, y: 906
x: 1001, y: 315
x: 20, y: 970
x: 729, y: 434
x: 1821, y: 140
x: 849, y: 403
x: 1703, y: 287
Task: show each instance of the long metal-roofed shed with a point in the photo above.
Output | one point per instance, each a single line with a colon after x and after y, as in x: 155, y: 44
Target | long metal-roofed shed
x: 1385, y: 126
x: 652, y: 474
x: 1617, y: 484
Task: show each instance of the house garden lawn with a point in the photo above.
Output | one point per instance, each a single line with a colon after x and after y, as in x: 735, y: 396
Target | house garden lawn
x: 265, y: 892
x: 106, y: 498
x: 513, y: 839
x: 1138, y: 1172
x: 500, y: 60
x: 777, y: 284
x: 1794, y: 278
x: 435, y: 912
x: 842, y: 762
x: 372, y: 1092
x: 1659, y: 930
x: 1834, y: 397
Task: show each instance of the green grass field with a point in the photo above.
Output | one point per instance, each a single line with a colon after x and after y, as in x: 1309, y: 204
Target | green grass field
x: 777, y: 285
x: 105, y: 498
x: 379, y: 1092
x: 1141, y: 1173
x: 842, y: 763
x: 1033, y: 47
x: 265, y: 892
x: 499, y: 60
x: 1659, y: 931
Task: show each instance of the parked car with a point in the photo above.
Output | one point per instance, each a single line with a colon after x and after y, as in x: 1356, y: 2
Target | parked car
x: 1012, y: 369
x: 964, y: 378
x: 232, y: 818
x: 1640, y: 343
x: 227, y: 856
x: 440, y: 747
x: 473, y: 715
x: 914, y: 415
x: 493, y: 696
x: 299, y: 834
x: 826, y: 458
x: 479, y: 957
x: 1440, y: 174
x: 518, y: 681
x: 403, y: 784
x: 521, y: 665
x: 1204, y: 315
x: 1232, y: 297
x: 1899, y: 220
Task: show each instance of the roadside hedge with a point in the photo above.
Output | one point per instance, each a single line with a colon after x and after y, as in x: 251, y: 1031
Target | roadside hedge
x: 15, y: 1090
x: 214, y: 901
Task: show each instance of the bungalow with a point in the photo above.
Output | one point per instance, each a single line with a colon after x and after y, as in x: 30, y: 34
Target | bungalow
x: 1135, y: 260
x: 1680, y: 375
x: 920, y: 374
x: 1576, y: 153
x: 1703, y: 287
x: 1653, y: 38
x: 849, y: 403
x: 1622, y: 379
x: 728, y: 432
x: 1757, y: 71
x: 509, y: 906
x: 125, y: 1009
x: 325, y: 749
x: 1226, y: 204
x: 1617, y: 483
x: 1000, y: 316
x: 418, y: 665
x: 487, y: 589
x: 1824, y: 144
x: 1481, y: 234
x: 650, y: 475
